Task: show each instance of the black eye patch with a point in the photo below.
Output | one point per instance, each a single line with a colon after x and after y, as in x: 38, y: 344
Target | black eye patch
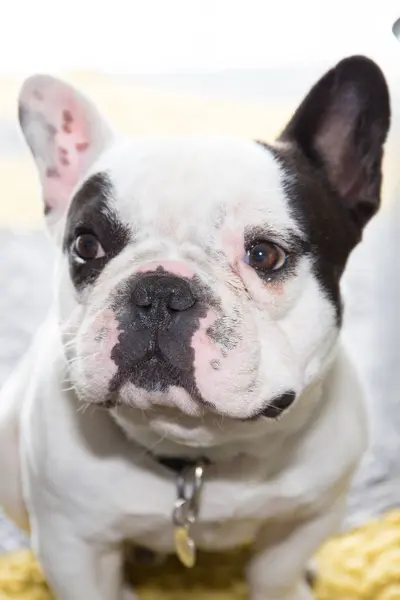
x: 92, y: 212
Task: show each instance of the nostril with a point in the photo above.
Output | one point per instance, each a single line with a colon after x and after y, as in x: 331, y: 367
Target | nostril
x: 155, y: 293
x: 181, y: 299
x: 142, y: 297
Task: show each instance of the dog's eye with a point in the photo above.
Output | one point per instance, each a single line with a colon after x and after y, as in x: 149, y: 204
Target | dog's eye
x: 87, y: 247
x: 266, y: 256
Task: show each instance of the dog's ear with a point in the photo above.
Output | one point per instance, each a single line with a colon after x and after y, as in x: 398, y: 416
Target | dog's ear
x: 65, y: 133
x: 341, y: 126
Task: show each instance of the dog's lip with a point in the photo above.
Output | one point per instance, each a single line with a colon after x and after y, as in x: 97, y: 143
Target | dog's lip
x: 178, y: 417
x: 107, y: 404
x: 157, y: 410
x: 176, y: 413
x: 203, y: 415
x: 190, y: 418
x: 197, y: 415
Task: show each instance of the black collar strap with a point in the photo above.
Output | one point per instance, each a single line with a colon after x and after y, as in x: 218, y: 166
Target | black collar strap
x: 178, y: 464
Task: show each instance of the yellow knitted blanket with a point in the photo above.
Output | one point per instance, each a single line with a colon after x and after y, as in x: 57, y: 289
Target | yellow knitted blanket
x: 361, y: 565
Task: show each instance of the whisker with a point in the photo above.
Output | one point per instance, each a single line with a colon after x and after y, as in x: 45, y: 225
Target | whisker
x: 68, y: 389
x: 74, y: 359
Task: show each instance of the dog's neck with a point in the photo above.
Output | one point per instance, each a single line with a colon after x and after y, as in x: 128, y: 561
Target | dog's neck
x: 277, y: 438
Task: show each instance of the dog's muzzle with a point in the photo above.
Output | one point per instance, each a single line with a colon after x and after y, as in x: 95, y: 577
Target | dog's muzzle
x: 158, y: 316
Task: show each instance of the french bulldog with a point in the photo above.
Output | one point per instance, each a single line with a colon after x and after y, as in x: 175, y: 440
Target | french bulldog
x: 189, y: 388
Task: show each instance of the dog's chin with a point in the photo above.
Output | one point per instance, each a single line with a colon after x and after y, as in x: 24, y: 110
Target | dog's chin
x: 187, y: 431
x: 209, y: 430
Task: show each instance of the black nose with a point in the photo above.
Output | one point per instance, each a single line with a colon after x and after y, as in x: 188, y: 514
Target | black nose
x: 162, y: 293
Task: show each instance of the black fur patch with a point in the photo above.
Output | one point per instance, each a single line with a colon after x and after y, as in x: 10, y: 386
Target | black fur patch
x: 341, y: 127
x: 331, y: 234
x: 331, y: 159
x: 91, y: 212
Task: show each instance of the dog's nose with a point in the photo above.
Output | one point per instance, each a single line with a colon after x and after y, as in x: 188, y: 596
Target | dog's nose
x: 162, y: 294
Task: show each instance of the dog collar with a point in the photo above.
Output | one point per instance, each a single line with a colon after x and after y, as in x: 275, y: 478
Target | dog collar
x: 175, y: 464
x: 179, y: 464
x: 189, y: 484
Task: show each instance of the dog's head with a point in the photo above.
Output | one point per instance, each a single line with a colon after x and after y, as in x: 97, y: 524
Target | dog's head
x: 200, y: 277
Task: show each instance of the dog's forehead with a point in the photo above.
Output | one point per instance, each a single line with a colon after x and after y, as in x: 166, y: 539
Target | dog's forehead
x: 202, y: 181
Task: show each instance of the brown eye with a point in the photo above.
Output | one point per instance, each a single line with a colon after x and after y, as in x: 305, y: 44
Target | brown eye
x: 266, y: 256
x: 87, y: 247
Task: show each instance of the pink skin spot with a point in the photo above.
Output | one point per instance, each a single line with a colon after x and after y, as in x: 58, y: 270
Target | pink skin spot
x: 175, y: 267
x: 201, y: 341
x: 216, y: 373
x: 64, y: 161
x: 213, y: 372
x: 82, y: 146
x: 67, y: 121
x: 232, y: 245
x: 67, y: 116
x: 66, y: 128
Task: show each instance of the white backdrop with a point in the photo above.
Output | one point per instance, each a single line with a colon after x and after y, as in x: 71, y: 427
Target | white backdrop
x: 139, y: 36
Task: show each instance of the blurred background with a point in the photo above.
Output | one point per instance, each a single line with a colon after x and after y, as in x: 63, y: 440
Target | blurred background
x: 180, y: 66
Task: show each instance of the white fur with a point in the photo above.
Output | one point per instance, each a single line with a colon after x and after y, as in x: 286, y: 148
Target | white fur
x: 87, y: 487
x: 278, y: 484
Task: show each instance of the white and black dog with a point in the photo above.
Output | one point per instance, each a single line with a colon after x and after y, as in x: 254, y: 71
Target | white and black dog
x: 197, y: 314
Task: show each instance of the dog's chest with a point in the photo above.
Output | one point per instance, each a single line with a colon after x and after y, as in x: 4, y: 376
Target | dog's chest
x: 212, y: 535
x: 232, y: 508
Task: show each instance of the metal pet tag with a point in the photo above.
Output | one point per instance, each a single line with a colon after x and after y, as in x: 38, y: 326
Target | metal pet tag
x: 185, y: 512
x: 184, y: 546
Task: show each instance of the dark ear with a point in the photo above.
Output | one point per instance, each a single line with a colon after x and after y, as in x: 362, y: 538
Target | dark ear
x: 341, y: 126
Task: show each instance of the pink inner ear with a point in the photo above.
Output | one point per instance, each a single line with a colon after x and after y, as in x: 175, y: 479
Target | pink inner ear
x: 67, y: 145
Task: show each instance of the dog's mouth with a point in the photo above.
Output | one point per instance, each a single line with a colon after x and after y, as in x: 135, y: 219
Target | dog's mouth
x: 155, y: 374
x: 154, y: 386
x: 175, y: 425
x: 188, y: 411
x: 173, y: 404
